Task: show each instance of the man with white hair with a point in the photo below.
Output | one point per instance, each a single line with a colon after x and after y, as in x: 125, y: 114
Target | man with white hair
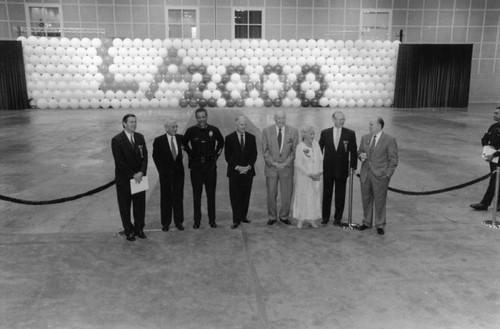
x: 278, y: 149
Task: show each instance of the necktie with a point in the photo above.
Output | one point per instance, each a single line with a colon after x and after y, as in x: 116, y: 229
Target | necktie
x: 132, y: 140
x: 280, y: 137
x: 242, y: 143
x: 372, y: 146
x: 336, y: 138
x: 172, y: 148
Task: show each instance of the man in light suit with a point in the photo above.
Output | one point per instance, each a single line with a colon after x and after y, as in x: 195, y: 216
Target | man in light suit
x: 241, y: 153
x: 167, y: 155
x: 339, y: 148
x: 278, y: 149
x: 378, y: 153
x: 131, y: 162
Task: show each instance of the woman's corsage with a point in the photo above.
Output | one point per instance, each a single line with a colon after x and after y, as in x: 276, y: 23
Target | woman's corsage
x: 140, y: 150
x: 289, y: 140
x: 307, y: 153
x: 210, y: 133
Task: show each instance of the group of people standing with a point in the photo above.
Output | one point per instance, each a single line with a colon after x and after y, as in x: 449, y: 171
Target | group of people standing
x: 304, y: 170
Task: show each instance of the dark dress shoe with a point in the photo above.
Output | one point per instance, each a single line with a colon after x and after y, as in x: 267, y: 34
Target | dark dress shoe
x: 196, y: 226
x: 164, y: 229
x: 337, y: 223
x: 141, y: 235
x: 128, y: 237
x: 213, y: 225
x: 271, y: 222
x: 363, y: 227
x: 235, y: 226
x: 380, y: 231
x: 479, y: 206
x: 180, y: 227
x: 286, y: 221
x: 246, y: 221
x: 324, y: 221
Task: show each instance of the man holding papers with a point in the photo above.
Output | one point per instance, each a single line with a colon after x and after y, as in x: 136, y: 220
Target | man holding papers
x: 490, y: 142
x: 131, y: 163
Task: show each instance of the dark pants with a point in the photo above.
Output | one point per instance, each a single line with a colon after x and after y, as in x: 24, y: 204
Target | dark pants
x: 204, y: 174
x: 328, y: 184
x: 138, y: 202
x: 490, y: 191
x: 172, y: 200
x: 240, y: 188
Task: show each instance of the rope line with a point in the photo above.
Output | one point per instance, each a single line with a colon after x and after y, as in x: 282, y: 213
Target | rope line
x: 55, y: 201
x: 105, y: 186
x: 443, y: 190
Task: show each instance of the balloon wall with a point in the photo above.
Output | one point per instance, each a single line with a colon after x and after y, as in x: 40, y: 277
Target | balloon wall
x: 125, y: 73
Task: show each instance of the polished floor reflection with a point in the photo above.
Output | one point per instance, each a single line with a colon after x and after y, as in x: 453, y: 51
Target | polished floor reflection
x: 62, y: 266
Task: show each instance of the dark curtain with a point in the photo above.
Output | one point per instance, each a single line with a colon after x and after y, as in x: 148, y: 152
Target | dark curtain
x: 13, y: 91
x: 433, y: 75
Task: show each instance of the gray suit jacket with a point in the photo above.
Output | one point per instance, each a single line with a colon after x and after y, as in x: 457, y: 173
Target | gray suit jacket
x: 272, y: 154
x: 384, y: 159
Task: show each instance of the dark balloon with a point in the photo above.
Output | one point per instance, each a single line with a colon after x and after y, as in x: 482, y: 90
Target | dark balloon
x: 193, y: 102
x: 315, y: 68
x: 187, y: 77
x: 278, y: 69
x: 320, y: 77
x: 315, y: 102
x: 226, y: 94
x: 305, y: 102
x: 318, y: 94
x: 268, y: 69
x: 301, y: 94
x: 177, y: 77
x: 221, y: 86
x: 240, y: 69
x: 177, y: 61
x: 206, y: 77
x: 230, y: 102
x: 149, y: 94
x: 153, y: 86
x: 268, y: 102
x: 225, y: 77
x: 108, y: 42
x: 300, y: 77
x: 258, y: 86
x: 244, y: 94
x: 282, y: 93
x: 188, y: 94
x: 202, y: 102
x: 212, y: 102
x: 277, y: 102
x: 324, y: 85
x: 198, y: 94
x: 158, y: 77
x: 163, y: 69
x: 282, y: 78
x: 249, y: 86
x: 287, y: 85
x: 107, y: 60
x: 202, y: 86
x: 245, y: 78
x: 296, y: 85
x: 192, y: 86
x: 202, y: 69
x: 108, y: 77
x: 191, y: 69
x: 240, y: 102
x: 172, y: 52
x: 102, y: 51
x: 183, y: 102
x: 182, y: 68
x: 167, y: 61
x: 168, y: 77
x: 264, y: 94
x: 306, y: 69
x: 230, y: 69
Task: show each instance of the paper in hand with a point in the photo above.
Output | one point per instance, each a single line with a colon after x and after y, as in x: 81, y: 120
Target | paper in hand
x: 489, y: 150
x: 139, y: 187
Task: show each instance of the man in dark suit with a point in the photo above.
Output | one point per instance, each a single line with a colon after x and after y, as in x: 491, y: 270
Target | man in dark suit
x: 378, y: 153
x: 491, y: 138
x: 167, y: 155
x: 203, y: 144
x: 241, y: 154
x: 131, y: 162
x: 339, y: 153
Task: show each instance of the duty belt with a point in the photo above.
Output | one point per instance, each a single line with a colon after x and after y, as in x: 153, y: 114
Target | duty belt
x: 204, y: 159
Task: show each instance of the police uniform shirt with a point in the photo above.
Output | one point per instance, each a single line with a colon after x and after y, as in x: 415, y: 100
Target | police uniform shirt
x: 492, y: 136
x: 204, y: 142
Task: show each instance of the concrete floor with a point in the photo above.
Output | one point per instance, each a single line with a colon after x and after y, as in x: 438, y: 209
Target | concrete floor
x: 62, y: 266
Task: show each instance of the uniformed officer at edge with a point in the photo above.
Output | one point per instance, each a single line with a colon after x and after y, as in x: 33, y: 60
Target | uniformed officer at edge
x: 203, y: 144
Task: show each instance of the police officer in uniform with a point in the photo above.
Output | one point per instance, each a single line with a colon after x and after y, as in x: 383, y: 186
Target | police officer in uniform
x: 491, y: 138
x: 203, y: 144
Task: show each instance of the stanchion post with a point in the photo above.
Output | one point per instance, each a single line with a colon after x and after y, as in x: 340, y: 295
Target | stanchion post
x: 495, y: 199
x: 349, y: 213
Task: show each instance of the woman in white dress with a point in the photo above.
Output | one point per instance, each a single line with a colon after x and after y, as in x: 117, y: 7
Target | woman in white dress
x: 308, y: 179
